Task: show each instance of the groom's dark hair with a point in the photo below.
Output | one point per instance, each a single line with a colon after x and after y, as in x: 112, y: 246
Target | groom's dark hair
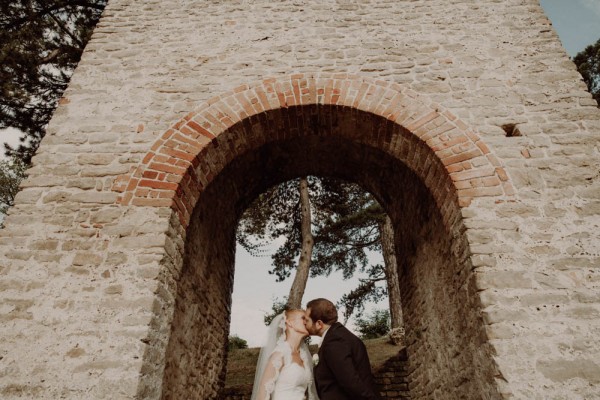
x: 323, y: 310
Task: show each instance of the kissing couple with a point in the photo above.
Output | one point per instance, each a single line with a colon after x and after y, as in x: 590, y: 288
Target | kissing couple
x: 285, y: 371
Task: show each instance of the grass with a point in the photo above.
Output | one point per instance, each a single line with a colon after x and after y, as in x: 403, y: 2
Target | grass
x: 242, y: 363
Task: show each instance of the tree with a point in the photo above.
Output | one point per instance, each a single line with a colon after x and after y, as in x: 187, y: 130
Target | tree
x: 12, y: 173
x: 361, y: 224
x: 306, y: 248
x: 375, y: 325
x: 236, y: 342
x: 347, y: 223
x: 41, y: 42
x: 282, y: 211
x: 588, y: 65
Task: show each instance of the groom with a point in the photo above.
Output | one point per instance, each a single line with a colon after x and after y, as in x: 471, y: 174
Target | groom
x: 343, y: 371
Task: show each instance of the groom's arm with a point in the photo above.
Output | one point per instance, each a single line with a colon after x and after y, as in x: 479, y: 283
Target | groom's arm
x: 341, y: 364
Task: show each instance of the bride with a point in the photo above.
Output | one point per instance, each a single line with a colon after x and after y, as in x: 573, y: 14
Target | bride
x: 284, y: 368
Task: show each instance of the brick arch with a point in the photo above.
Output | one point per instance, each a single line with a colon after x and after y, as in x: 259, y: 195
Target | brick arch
x: 419, y: 160
x: 423, y: 135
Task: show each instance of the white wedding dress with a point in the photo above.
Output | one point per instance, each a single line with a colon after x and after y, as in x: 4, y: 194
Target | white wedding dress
x: 278, y: 377
x: 291, y: 379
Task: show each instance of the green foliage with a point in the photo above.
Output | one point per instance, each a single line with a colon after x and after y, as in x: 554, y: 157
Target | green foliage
x: 588, y: 65
x: 345, y: 227
x: 41, y: 42
x: 12, y: 173
x: 345, y: 219
x: 366, y: 291
x: 346, y: 222
x: 277, y: 308
x: 374, y: 325
x: 236, y: 342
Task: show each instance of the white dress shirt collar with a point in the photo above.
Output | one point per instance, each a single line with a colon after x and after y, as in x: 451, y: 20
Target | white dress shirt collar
x: 323, y: 337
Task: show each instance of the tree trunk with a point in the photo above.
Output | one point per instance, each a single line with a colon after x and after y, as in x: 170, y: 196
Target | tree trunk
x: 302, y: 272
x: 391, y: 271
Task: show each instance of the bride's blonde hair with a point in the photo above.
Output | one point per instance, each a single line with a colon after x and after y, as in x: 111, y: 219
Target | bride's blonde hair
x: 290, y: 312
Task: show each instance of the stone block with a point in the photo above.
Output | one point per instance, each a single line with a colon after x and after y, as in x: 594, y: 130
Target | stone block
x: 94, y: 197
x: 561, y: 370
x: 56, y: 197
x: 47, y: 244
x: 140, y: 242
x: 105, y: 216
x: 28, y: 196
x: 101, y: 171
x: 504, y: 280
x: 87, y: 258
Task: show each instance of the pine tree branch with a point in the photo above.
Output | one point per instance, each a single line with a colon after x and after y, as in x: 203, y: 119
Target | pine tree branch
x: 67, y: 31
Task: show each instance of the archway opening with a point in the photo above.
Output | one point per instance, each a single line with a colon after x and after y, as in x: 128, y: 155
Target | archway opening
x: 352, y: 263
x: 445, y: 335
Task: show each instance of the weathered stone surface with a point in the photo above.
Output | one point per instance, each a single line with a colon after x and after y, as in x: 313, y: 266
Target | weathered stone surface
x: 95, y: 159
x: 504, y: 280
x: 86, y: 258
x: 95, y: 197
x: 28, y: 196
x: 130, y: 299
x: 106, y: 216
x: 562, y: 369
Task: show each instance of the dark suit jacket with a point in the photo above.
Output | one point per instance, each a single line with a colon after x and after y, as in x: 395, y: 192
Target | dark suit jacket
x: 344, y: 370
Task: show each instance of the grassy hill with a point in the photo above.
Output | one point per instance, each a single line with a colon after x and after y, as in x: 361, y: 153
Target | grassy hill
x: 242, y: 363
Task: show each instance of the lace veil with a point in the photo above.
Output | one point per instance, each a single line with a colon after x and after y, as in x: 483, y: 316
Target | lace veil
x: 275, y: 335
x: 275, y: 338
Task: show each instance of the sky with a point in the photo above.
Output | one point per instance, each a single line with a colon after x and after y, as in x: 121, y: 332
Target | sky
x: 577, y: 23
x: 10, y: 136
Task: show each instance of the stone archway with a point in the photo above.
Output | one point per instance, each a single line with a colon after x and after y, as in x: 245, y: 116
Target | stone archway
x: 421, y: 162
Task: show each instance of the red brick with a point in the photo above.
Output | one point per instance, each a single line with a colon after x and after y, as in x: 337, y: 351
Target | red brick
x: 502, y: 174
x: 132, y: 184
x: 151, y: 202
x: 126, y: 199
x: 359, y: 96
x: 491, y: 181
x: 167, y: 135
x: 466, y: 155
x: 440, y: 144
x: 463, y: 185
x: 178, y: 154
x: 241, y: 88
x: 454, y: 168
x: 141, y: 192
x: 147, y: 158
x: 150, y: 174
x: 167, y: 168
x: 157, y: 184
x: 481, y: 192
x: 196, y: 127
x: 422, y: 120
x: 472, y: 173
x: 483, y: 147
x: 464, y: 201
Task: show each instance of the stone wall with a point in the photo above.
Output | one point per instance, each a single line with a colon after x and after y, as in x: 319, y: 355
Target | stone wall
x: 392, y: 377
x: 447, y: 344
x: 95, y: 266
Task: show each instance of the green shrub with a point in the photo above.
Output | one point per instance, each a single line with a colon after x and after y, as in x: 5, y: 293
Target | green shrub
x: 374, y: 325
x: 236, y: 342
